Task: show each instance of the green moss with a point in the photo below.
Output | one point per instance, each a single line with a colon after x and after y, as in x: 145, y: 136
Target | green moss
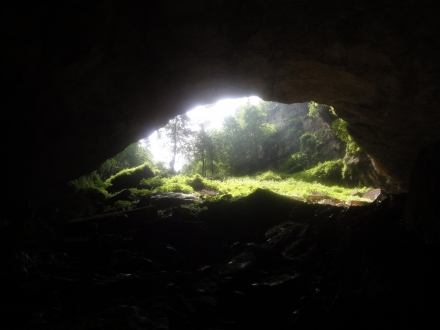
x: 129, y: 178
x: 269, y: 175
x: 152, y: 183
x: 299, y: 185
x: 123, y: 205
x: 90, y: 183
x: 329, y: 172
x: 289, y: 186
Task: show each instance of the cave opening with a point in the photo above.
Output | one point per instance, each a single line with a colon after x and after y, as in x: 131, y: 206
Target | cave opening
x: 262, y: 260
x: 78, y: 78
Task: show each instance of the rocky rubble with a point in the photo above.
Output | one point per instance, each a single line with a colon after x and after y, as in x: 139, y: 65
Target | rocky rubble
x: 262, y: 262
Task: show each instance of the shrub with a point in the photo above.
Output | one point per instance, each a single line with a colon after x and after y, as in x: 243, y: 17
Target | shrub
x: 307, y: 142
x: 296, y: 163
x: 153, y: 182
x: 327, y: 172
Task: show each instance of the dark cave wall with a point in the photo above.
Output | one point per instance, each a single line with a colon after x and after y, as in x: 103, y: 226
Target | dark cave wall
x: 422, y: 212
x: 84, y: 79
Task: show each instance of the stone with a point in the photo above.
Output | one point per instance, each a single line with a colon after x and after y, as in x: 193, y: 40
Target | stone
x: 129, y: 178
x: 163, y: 201
x: 124, y: 195
x: 197, y: 184
x: 373, y: 194
x: 316, y: 198
x: 110, y: 222
x: 163, y: 254
x: 248, y: 218
x: 129, y: 262
x: 239, y: 263
x: 355, y: 193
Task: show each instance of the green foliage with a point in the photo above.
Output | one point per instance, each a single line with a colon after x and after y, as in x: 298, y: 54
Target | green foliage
x: 153, y: 182
x: 179, y: 134
x: 307, y: 142
x: 313, y: 109
x: 340, y: 129
x: 134, y: 155
x: 292, y: 186
x: 317, y: 109
x: 327, y: 172
x: 307, y: 156
x: 177, y: 183
x: 204, y: 152
x: 123, y: 205
x: 90, y: 183
x: 299, y: 185
x: 269, y: 175
x: 297, y: 162
x: 239, y: 143
x: 98, y: 181
x: 129, y: 178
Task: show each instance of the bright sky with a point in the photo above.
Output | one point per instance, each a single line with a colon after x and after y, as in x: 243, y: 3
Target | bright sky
x: 213, y: 115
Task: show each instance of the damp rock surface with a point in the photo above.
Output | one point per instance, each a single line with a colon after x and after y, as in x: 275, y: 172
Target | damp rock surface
x: 320, y: 267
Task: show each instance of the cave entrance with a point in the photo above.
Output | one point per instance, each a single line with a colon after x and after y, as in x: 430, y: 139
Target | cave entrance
x: 235, y: 146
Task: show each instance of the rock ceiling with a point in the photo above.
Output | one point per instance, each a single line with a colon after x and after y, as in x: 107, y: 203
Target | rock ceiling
x: 84, y: 79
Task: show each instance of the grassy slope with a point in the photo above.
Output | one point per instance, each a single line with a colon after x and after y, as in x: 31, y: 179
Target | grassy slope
x: 293, y: 186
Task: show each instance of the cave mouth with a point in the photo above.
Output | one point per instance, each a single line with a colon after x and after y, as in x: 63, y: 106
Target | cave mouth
x: 79, y: 79
x: 300, y: 150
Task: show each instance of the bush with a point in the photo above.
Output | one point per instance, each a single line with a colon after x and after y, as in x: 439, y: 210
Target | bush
x: 307, y: 142
x: 153, y: 182
x: 327, y: 172
x: 296, y: 163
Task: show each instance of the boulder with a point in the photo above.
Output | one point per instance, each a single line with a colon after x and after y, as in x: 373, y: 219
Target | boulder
x: 374, y: 194
x: 124, y: 195
x: 129, y: 178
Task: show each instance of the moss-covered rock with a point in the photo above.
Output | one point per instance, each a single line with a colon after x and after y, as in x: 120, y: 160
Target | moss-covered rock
x: 129, y: 178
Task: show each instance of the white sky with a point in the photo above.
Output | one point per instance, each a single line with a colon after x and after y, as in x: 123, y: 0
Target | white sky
x: 213, y: 115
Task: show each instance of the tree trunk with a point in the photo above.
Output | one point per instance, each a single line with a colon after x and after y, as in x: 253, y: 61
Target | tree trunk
x: 173, y: 160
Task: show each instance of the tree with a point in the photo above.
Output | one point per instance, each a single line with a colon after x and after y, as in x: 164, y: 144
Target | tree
x: 204, y: 150
x: 256, y: 130
x: 239, y: 142
x: 179, y: 133
x: 234, y: 151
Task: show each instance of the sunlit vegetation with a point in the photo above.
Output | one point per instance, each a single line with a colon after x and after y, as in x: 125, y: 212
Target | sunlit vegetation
x: 129, y: 178
x: 229, y: 162
x: 299, y: 185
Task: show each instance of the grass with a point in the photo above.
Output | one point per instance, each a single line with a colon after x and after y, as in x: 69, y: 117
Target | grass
x: 292, y: 187
x: 298, y: 185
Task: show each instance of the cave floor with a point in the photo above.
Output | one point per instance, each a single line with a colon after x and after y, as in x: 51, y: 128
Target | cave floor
x: 334, y: 268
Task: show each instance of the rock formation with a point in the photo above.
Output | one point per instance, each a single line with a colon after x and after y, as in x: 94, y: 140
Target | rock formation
x: 85, y: 79
x: 291, y: 122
